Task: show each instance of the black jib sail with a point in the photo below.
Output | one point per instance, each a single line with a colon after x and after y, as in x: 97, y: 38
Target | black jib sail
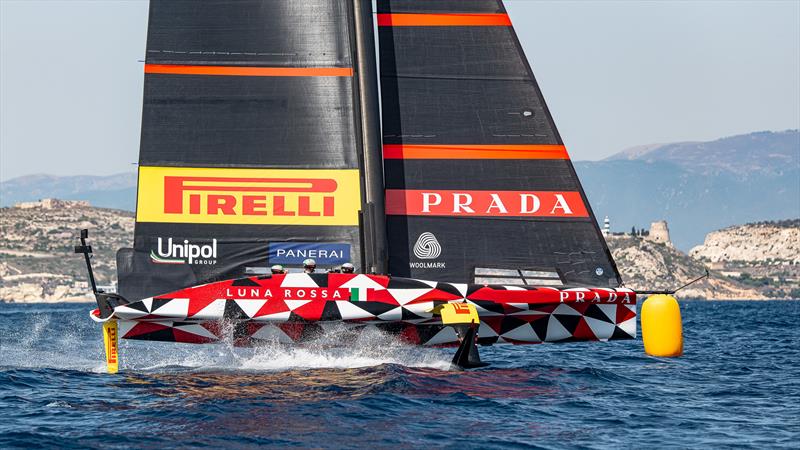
x: 479, y: 185
x: 251, y: 142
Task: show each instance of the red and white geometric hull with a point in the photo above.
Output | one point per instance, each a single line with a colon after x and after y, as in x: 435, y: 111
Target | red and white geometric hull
x: 296, y: 308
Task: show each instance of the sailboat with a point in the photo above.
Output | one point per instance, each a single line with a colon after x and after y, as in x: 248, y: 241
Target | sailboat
x: 273, y: 131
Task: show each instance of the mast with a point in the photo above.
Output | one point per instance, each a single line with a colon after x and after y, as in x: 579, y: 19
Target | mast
x: 374, y: 213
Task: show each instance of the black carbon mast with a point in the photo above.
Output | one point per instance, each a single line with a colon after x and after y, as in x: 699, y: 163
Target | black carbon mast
x: 373, y: 210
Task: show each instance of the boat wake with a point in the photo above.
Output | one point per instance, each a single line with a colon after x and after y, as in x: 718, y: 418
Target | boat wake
x: 43, y: 341
x: 370, y: 349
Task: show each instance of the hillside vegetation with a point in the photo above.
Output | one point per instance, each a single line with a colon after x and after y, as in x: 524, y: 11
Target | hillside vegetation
x: 36, y: 256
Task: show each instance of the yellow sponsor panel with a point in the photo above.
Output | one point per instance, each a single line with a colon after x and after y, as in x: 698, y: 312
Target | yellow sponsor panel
x: 248, y: 196
x: 457, y: 313
x: 111, y: 344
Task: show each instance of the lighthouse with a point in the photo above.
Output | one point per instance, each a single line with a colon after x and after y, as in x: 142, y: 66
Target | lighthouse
x: 606, y: 227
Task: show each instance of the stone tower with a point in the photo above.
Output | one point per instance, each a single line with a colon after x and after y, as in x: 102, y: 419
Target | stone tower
x: 659, y: 232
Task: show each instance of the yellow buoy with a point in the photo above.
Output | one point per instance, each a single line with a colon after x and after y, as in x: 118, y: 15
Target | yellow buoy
x: 662, y: 331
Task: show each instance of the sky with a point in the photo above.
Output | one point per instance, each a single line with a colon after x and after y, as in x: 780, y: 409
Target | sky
x: 615, y: 74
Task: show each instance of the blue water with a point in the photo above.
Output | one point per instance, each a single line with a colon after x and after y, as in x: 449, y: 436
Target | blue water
x: 737, y: 385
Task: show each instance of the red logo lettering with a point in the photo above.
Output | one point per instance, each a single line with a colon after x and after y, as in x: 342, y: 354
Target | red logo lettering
x: 460, y: 308
x: 112, y: 337
x: 249, y: 196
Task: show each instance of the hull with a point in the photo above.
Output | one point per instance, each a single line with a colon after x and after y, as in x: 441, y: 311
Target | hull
x: 334, y: 307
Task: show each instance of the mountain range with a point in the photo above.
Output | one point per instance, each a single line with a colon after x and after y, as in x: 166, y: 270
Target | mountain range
x: 697, y: 187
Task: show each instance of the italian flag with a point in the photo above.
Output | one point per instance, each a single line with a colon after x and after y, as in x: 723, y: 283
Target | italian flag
x: 358, y: 294
x: 160, y: 260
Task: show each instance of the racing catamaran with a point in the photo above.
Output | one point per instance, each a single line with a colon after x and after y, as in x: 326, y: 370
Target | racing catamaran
x: 267, y: 138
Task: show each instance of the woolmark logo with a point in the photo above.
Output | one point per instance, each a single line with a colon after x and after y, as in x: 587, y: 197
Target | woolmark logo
x: 169, y: 252
x: 427, y: 247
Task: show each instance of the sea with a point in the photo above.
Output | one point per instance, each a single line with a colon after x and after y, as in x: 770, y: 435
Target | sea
x: 737, y: 385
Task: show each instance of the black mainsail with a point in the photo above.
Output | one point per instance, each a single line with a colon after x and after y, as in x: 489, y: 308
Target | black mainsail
x: 251, y: 142
x: 478, y: 180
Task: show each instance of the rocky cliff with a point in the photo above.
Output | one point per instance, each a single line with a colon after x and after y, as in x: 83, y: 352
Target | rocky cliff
x: 37, y: 262
x: 758, y: 243
x: 648, y: 265
x: 764, y: 255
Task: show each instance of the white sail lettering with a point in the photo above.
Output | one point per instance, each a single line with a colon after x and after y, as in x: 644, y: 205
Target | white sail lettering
x: 561, y: 204
x: 524, y: 207
x: 193, y: 251
x: 186, y: 250
x: 497, y: 203
x: 430, y: 199
x: 462, y: 206
x: 168, y: 253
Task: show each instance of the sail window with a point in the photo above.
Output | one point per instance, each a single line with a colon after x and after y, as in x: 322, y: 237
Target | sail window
x: 516, y: 277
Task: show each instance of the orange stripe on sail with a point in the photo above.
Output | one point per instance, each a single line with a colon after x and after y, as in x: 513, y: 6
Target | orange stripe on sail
x: 406, y: 151
x: 249, y: 71
x: 443, y: 20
